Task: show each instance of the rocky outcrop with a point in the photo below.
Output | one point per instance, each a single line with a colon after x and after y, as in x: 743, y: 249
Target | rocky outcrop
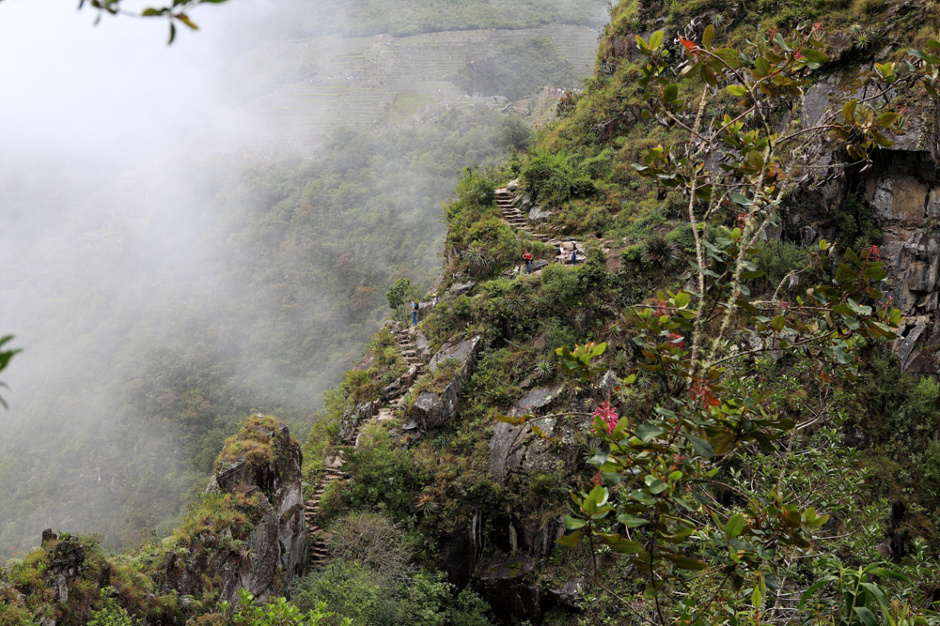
x: 258, y: 477
x: 353, y: 418
x: 433, y: 409
x: 65, y: 565
x: 536, y: 214
x: 900, y: 189
x: 515, y: 448
x: 507, y: 581
x: 504, y: 565
x: 903, y: 190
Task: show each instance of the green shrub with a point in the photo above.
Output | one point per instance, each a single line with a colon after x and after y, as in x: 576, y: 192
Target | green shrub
x: 515, y: 134
x: 347, y: 588
x: 555, y: 177
x: 372, y: 596
x: 385, y: 476
x: 561, y: 290
x: 777, y: 259
x: 400, y: 292
x: 856, y: 227
x: 492, y: 382
x: 111, y: 614
x: 361, y: 385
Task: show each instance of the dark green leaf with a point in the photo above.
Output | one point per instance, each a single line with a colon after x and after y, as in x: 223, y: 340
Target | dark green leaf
x: 702, y: 447
x: 735, y: 525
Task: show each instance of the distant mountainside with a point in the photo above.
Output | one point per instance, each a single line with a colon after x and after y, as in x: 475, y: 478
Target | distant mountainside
x: 296, y: 90
x: 357, y: 18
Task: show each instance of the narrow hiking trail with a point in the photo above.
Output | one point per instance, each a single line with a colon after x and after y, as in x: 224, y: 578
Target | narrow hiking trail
x: 317, y: 538
x: 507, y: 202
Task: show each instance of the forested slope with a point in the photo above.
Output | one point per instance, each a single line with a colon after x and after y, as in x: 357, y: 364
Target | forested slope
x: 850, y: 433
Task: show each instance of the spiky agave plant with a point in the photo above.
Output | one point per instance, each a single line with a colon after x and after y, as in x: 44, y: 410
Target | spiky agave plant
x: 478, y: 260
x: 426, y: 504
x: 514, y: 303
x: 662, y: 253
x: 544, y: 369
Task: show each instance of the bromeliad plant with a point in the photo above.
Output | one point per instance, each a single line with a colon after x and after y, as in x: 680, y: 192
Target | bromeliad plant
x: 706, y: 561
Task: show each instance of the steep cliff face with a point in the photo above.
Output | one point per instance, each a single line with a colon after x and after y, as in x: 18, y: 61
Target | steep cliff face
x: 897, y: 194
x: 251, y: 535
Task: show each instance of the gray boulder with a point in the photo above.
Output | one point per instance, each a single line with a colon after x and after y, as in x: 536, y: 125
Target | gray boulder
x: 515, y: 448
x: 354, y: 418
x: 536, y: 214
x: 432, y: 409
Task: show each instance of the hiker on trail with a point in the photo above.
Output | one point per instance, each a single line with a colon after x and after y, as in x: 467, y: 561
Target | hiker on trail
x: 574, y: 254
x: 414, y: 313
x: 528, y: 262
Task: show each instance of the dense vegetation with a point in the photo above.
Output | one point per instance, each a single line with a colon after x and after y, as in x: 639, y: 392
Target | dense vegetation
x: 582, y: 171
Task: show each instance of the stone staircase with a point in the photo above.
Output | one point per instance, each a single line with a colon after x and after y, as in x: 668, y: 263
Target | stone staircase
x: 409, y: 352
x: 512, y: 216
x: 318, y: 538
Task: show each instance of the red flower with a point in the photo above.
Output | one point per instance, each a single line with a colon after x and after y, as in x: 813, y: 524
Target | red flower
x: 874, y: 253
x: 690, y: 46
x: 701, y: 390
x: 608, y: 414
x: 679, y: 340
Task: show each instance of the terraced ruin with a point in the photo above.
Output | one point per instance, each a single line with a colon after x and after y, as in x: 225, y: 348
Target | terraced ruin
x: 318, y: 82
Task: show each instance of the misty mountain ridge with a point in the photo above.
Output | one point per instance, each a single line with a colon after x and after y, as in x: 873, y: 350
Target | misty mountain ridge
x: 235, y: 267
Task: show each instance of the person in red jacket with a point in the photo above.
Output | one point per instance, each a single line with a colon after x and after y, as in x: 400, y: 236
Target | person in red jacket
x: 528, y: 262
